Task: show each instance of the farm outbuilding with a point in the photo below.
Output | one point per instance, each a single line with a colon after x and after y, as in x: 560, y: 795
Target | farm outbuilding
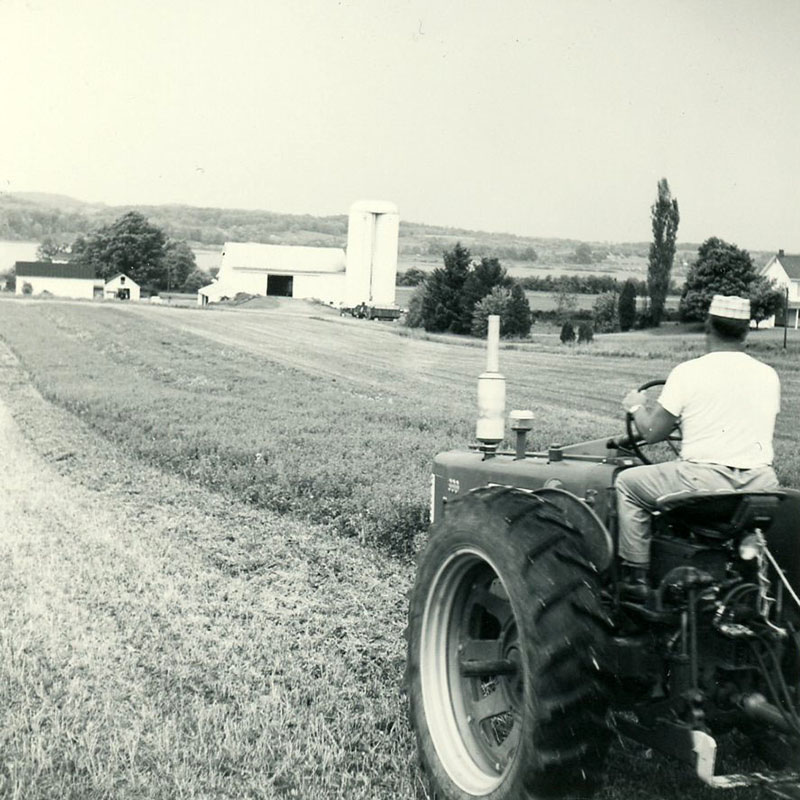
x: 785, y: 270
x: 121, y: 287
x: 366, y: 273
x: 76, y: 281
x: 278, y: 270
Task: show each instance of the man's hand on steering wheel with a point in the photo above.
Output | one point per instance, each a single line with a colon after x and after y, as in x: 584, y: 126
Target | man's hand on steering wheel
x: 647, y: 426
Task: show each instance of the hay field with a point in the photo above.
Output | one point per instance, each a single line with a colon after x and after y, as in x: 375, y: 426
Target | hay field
x: 206, y: 529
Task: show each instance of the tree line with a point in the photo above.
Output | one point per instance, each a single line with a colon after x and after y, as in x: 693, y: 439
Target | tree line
x: 458, y: 297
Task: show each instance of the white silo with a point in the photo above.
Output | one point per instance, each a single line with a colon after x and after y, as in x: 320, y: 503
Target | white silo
x: 372, y: 233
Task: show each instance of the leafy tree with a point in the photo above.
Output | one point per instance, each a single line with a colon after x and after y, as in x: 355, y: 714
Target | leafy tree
x: 130, y: 245
x: 195, y: 280
x: 720, y: 268
x: 179, y: 263
x: 766, y: 299
x: 604, y: 312
x: 495, y: 302
x: 411, y: 277
x: 566, y: 302
x: 50, y: 249
x: 442, y: 304
x: 583, y: 254
x: 585, y: 333
x: 567, y: 333
x: 627, y: 305
x: 665, y: 218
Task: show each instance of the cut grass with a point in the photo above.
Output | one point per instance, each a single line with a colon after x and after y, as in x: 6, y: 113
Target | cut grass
x: 165, y: 641
x: 160, y: 641
x: 333, y: 419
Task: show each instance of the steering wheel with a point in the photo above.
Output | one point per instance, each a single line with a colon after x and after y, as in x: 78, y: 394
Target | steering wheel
x: 635, y: 437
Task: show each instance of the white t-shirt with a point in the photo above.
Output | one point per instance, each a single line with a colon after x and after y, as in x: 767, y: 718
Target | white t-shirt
x: 727, y: 402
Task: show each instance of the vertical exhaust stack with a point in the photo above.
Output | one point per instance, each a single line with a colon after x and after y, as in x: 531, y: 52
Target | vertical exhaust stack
x: 490, y: 428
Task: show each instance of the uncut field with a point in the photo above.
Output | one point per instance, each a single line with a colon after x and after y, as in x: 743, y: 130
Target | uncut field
x: 206, y: 533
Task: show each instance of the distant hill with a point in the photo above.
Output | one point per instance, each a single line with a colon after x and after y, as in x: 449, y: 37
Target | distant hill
x: 34, y: 215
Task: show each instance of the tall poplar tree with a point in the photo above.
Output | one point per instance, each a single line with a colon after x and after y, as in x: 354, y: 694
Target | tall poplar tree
x: 665, y: 218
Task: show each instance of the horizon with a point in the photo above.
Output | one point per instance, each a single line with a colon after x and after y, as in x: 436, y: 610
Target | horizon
x: 681, y: 245
x: 536, y: 119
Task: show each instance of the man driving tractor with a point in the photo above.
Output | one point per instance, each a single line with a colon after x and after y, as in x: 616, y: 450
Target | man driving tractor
x: 726, y: 403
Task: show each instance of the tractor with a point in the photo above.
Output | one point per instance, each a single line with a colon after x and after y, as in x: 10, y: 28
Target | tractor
x: 524, y: 657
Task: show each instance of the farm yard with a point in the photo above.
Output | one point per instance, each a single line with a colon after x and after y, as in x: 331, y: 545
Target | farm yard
x: 207, y: 534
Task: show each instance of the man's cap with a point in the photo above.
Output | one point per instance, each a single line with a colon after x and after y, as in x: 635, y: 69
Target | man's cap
x: 730, y: 306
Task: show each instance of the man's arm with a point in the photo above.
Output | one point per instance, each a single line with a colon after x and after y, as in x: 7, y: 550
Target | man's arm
x: 653, y: 425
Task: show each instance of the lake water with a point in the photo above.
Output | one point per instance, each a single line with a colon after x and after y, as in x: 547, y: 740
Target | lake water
x: 11, y: 252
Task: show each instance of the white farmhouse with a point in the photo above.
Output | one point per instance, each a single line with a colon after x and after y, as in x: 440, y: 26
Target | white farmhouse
x: 785, y: 270
x: 75, y: 281
x: 366, y: 273
x: 121, y: 287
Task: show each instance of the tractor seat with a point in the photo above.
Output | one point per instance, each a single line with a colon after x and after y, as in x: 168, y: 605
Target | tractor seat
x: 719, y: 515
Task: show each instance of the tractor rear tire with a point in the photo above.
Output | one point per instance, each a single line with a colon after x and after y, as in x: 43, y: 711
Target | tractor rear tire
x: 506, y: 636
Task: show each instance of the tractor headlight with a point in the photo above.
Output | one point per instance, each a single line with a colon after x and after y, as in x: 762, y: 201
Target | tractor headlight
x: 751, y: 546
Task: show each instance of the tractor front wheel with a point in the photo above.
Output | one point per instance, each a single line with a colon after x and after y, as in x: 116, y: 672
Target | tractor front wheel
x: 505, y: 642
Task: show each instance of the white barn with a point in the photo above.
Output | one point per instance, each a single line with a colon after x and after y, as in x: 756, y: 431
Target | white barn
x: 785, y: 270
x: 366, y: 273
x: 121, y: 287
x: 76, y: 281
x: 278, y: 270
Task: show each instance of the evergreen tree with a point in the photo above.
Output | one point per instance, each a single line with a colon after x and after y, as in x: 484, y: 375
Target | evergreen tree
x: 585, y: 333
x: 665, y: 218
x: 479, y: 282
x: 627, y: 305
x: 720, y: 268
x: 442, y: 303
x: 518, y: 319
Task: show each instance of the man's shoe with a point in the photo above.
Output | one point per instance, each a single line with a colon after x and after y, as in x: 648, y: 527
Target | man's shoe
x: 634, y: 585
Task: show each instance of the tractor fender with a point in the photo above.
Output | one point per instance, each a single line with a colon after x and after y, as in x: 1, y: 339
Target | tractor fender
x: 594, y: 532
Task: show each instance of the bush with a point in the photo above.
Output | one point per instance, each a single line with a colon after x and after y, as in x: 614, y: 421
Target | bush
x: 196, y: 280
x: 510, y: 305
x: 413, y: 317
x: 585, y: 333
x: 567, y: 333
x: 27, y: 288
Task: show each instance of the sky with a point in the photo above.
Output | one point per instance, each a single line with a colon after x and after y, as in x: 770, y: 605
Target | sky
x: 547, y: 118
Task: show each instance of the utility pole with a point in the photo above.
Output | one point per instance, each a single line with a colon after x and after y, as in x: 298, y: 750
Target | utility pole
x: 785, y: 316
